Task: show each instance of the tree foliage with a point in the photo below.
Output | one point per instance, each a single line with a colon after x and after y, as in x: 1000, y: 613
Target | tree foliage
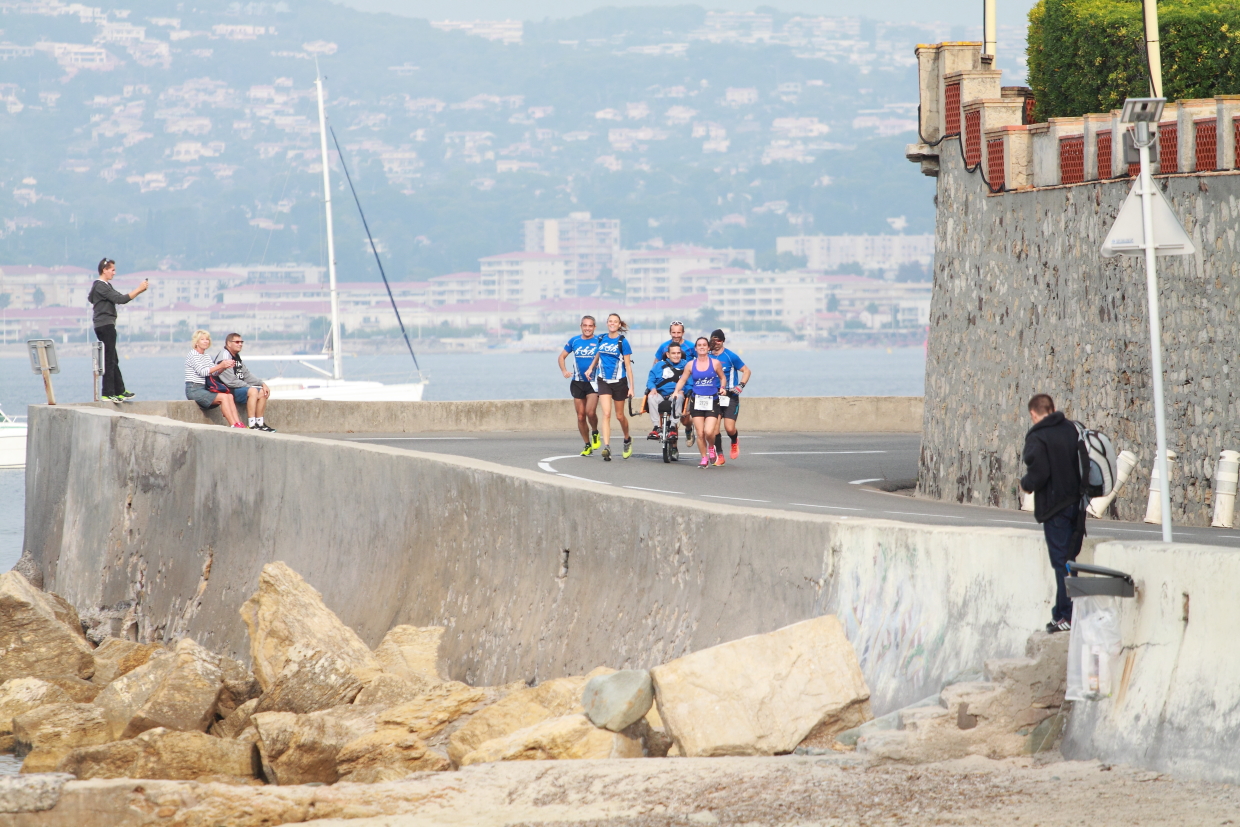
x: 1088, y: 55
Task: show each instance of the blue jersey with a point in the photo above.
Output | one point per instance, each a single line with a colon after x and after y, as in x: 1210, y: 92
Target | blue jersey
x: 583, y: 351
x: 664, y: 376
x: 732, y: 365
x: 686, y: 348
x: 610, y: 357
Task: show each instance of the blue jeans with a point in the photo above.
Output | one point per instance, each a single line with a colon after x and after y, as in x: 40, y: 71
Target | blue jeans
x: 1064, y: 545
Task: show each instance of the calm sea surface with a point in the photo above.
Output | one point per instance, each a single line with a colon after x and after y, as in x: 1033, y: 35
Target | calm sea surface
x: 453, y: 376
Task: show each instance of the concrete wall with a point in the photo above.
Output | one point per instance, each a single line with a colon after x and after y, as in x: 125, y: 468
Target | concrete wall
x: 1023, y: 303
x: 180, y: 518
x: 839, y: 414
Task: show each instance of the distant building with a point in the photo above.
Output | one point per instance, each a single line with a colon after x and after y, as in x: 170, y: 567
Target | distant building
x: 873, y: 252
x: 454, y: 288
x: 591, y: 244
x: 660, y: 273
x: 524, y: 278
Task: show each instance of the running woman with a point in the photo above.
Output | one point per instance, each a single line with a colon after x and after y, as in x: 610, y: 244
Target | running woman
x: 662, y: 382
x: 585, y: 395
x: 614, y: 361
x: 733, y: 368
x: 677, y: 329
x: 705, y: 378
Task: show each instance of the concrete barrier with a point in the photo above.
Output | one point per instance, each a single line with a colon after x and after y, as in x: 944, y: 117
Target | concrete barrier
x: 533, y: 575
x: 839, y: 414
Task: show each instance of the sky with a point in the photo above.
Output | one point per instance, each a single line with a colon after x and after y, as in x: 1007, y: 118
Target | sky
x: 1010, y: 13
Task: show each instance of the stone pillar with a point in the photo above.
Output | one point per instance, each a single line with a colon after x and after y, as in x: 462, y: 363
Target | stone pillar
x: 1017, y: 173
x: 1096, y: 167
x: 1227, y: 107
x: 1045, y: 138
x: 1187, y: 113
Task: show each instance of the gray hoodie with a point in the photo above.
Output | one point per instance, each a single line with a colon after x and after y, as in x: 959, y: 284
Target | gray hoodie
x: 238, y: 376
x: 105, y: 298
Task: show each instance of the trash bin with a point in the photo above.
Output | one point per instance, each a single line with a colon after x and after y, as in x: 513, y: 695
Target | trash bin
x: 1095, y: 643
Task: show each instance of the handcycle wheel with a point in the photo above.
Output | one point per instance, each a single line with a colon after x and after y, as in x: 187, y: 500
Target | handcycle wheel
x: 667, y: 452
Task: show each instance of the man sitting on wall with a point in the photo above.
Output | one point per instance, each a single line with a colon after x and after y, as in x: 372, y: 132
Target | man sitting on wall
x: 247, y: 389
x: 1055, y: 478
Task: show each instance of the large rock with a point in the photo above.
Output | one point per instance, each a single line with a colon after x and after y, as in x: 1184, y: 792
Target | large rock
x: 46, y: 733
x: 618, y: 701
x: 311, y: 680
x: 236, y: 721
x: 436, y: 715
x: 178, y: 691
x: 240, y: 685
x: 20, y: 695
x: 165, y: 754
x: 523, y: 708
x: 569, y: 736
x: 300, y: 749
x: 38, y: 638
x: 387, y: 755
x: 387, y: 690
x: 286, y: 612
x: 762, y: 695
x: 115, y: 658
x: 412, y: 653
x: 78, y: 690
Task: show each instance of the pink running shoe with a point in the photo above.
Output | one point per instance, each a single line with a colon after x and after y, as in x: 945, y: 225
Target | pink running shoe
x: 705, y: 463
x: 239, y: 425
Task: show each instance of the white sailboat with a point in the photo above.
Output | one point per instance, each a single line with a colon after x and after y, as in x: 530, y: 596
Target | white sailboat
x: 12, y: 441
x: 332, y: 384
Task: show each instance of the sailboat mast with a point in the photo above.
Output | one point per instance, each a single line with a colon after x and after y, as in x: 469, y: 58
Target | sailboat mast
x: 337, y: 350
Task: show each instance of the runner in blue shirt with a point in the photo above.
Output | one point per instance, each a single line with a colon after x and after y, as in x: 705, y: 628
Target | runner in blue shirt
x: 677, y: 329
x: 661, y: 384
x: 730, y: 399
x: 585, y: 395
x: 704, y: 377
x: 614, y: 363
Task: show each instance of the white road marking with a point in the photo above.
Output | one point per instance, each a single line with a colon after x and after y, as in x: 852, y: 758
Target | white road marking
x: 871, y: 479
x: 545, y: 464
x: 583, y: 479
x: 1133, y: 530
x: 920, y: 514
x: 789, y: 453
x: 655, y: 490
x: 1029, y: 523
x: 409, y: 438
x: 741, y: 499
x: 836, y: 507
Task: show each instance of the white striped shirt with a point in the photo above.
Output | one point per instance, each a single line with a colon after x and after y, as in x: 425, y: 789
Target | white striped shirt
x: 197, y: 366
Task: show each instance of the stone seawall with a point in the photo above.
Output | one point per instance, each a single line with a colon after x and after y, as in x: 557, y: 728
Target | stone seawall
x: 1024, y: 303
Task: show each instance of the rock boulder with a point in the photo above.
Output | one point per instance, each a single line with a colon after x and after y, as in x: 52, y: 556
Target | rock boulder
x: 311, y: 680
x: 762, y: 695
x: 20, y: 695
x: 412, y: 653
x: 569, y: 736
x: 46, y: 733
x: 178, y: 691
x: 300, y: 749
x: 286, y: 612
x: 163, y: 754
x: 37, y: 635
x: 619, y: 700
x: 387, y: 755
x: 115, y: 658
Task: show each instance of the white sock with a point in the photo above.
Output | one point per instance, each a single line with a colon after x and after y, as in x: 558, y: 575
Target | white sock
x: 253, y: 422
x: 259, y: 420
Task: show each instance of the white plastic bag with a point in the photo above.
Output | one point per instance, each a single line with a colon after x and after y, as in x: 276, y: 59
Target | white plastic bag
x: 1093, y: 648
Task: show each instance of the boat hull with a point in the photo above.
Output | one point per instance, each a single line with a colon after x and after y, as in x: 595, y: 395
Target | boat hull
x: 12, y: 445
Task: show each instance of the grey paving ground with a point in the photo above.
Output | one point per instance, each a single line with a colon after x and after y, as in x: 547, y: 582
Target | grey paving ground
x: 820, y: 473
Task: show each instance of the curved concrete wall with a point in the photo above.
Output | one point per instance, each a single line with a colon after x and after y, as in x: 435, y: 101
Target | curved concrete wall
x: 180, y: 518
x: 838, y: 414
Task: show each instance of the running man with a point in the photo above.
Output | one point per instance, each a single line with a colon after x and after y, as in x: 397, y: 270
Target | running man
x: 661, y: 383
x: 677, y: 329
x: 733, y: 366
x: 614, y: 361
x: 584, y: 394
x: 705, y: 378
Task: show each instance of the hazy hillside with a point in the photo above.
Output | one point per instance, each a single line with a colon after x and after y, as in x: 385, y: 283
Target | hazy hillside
x: 193, y: 138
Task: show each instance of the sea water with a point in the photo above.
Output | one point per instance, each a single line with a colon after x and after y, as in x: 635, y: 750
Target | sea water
x: 490, y: 374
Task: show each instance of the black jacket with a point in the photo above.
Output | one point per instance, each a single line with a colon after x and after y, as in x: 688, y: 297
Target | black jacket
x: 1054, y: 464
x: 105, y: 298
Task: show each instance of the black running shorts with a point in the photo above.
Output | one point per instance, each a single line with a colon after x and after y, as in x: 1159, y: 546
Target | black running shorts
x: 580, y: 389
x: 618, y: 390
x: 691, y: 407
x: 733, y: 408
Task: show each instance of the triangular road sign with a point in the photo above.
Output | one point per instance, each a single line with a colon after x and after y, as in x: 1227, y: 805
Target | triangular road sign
x: 1127, y: 236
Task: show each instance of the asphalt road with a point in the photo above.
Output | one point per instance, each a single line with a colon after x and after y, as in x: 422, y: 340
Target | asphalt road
x: 839, y: 474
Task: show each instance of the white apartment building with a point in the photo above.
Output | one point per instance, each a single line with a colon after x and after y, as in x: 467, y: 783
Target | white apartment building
x: 591, y: 244
x: 526, y: 277
x: 659, y: 273
x: 454, y: 288
x: 754, y: 295
x: 873, y: 252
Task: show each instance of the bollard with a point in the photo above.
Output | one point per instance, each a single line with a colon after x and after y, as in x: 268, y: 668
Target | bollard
x: 1225, y: 476
x: 1124, y: 463
x: 1153, y: 510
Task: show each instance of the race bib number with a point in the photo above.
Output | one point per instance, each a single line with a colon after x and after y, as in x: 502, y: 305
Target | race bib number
x: 703, y: 403
x: 723, y: 400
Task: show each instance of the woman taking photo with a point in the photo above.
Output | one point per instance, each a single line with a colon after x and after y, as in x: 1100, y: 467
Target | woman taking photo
x: 200, y: 371
x: 615, y: 364
x: 705, y: 378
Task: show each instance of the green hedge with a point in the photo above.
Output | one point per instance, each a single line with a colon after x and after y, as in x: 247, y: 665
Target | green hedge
x: 1088, y: 55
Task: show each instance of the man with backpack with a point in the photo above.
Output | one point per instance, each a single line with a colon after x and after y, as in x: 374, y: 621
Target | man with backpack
x: 1052, y: 455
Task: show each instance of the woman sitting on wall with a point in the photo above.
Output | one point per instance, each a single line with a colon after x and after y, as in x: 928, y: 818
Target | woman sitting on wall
x: 202, y: 385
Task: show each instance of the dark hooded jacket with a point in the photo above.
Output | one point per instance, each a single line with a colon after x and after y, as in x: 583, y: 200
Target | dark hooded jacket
x: 1054, y: 464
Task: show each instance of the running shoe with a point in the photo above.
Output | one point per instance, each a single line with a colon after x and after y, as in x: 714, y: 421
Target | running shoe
x: 654, y: 434
x: 628, y: 448
x: 1059, y: 626
x: 267, y: 428
x: 589, y: 449
x: 719, y: 460
x: 595, y: 442
x: 117, y: 399
x: 705, y: 463
x: 127, y: 396
x: 736, y: 449
x: 606, y: 454
x: 672, y: 433
x: 710, y: 454
x: 240, y: 425
x: 690, y: 439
